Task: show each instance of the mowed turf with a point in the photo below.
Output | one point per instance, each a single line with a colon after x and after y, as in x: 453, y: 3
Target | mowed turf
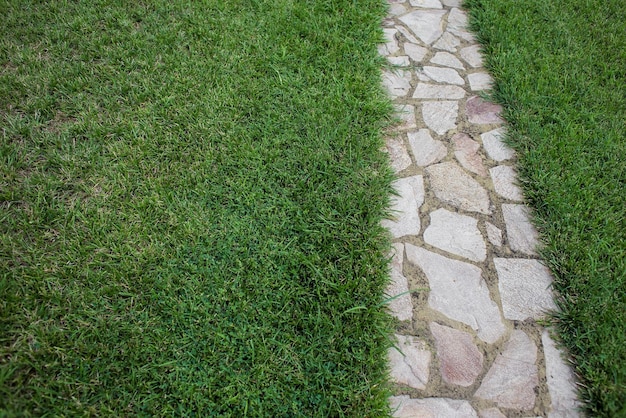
x: 190, y: 203
x: 560, y: 72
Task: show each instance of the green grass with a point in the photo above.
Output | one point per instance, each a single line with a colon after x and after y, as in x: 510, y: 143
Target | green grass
x: 560, y: 71
x: 190, y: 203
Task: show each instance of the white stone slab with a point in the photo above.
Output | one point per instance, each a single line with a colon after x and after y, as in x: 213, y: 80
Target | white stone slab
x: 396, y: 83
x: 456, y: 234
x: 405, y: 407
x: 561, y: 382
x: 443, y: 75
x: 496, y: 149
x: 524, y: 288
x: 410, y: 365
x: 513, y: 377
x: 415, y: 52
x: 457, y: 24
x: 447, y: 42
x: 458, y: 291
x: 440, y: 116
x: 435, y: 91
x: 452, y: 3
x: 401, y: 306
x: 407, y: 34
x: 479, y: 81
x: 406, y: 207
x: 390, y: 46
x: 454, y: 186
x: 407, y: 114
x: 447, y: 59
x: 494, y: 234
x: 505, y: 182
x: 426, y: 4
x: 472, y: 55
x: 398, y: 155
x: 397, y: 9
x: 522, y: 234
x: 401, y: 61
x: 460, y: 362
x: 426, y: 150
x: 427, y: 25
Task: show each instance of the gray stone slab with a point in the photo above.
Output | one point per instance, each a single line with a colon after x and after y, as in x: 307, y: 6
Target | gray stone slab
x: 407, y: 34
x: 390, y: 46
x: 401, y: 306
x: 496, y: 149
x: 456, y: 234
x: 407, y: 114
x: 406, y: 207
x: 513, y: 377
x: 482, y: 112
x: 440, y: 116
x: 458, y: 291
x: 479, y: 81
x: 466, y: 152
x: 415, y: 52
x: 522, y: 235
x: 472, y: 55
x: 447, y: 42
x: 427, y: 25
x: 491, y: 413
x: 494, y: 234
x: 561, y: 382
x: 405, y: 407
x: 396, y: 83
x: 447, y: 59
x: 505, y: 182
x: 426, y: 150
x: 401, y: 61
x: 398, y: 155
x: 409, y: 366
x: 452, y: 3
x: 426, y: 4
x: 452, y: 185
x: 524, y: 288
x: 443, y: 75
x: 397, y: 9
x: 460, y: 362
x: 436, y: 91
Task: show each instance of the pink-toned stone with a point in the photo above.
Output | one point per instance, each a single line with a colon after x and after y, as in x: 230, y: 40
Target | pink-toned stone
x: 426, y: 150
x: 482, y: 112
x: 406, y: 206
x: 398, y: 155
x: 491, y: 413
x: 513, y: 377
x: 459, y: 358
x: 405, y: 407
x: 466, y: 152
x: 410, y: 365
x: 400, y: 306
x: 454, y: 186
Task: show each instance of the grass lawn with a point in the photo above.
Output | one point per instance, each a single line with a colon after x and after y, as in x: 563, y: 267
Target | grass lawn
x: 560, y: 70
x: 190, y: 199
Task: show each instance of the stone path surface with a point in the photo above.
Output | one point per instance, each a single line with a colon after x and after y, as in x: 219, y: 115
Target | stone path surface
x: 469, y: 287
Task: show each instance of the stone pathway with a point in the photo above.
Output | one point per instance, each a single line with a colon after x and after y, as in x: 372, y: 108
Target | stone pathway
x: 469, y: 343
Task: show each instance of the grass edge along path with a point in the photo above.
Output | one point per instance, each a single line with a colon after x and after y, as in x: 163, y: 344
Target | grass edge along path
x: 191, y: 200
x: 560, y: 73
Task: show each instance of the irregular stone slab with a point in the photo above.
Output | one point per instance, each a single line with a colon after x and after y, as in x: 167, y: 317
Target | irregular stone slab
x: 447, y: 42
x: 466, y: 152
x: 459, y: 358
x: 513, y: 377
x: 482, y: 112
x: 410, y: 366
x: 407, y: 114
x: 390, y: 46
x: 458, y: 291
x: 561, y: 382
x: 472, y: 55
x: 479, y: 81
x: 406, y: 207
x: 491, y: 413
x: 522, y: 234
x: 440, y: 116
x: 434, y: 91
x: 456, y: 234
x: 494, y: 234
x: 426, y: 150
x: 398, y: 155
x: 452, y: 3
x: 397, y: 9
x: 457, y: 24
x: 427, y: 4
x: 416, y: 52
x: 405, y: 407
x: 401, y: 61
x: 447, y: 59
x: 407, y: 34
x: 452, y: 185
x: 426, y: 24
x: 443, y: 75
x: 396, y: 83
x: 524, y: 288
x: 496, y: 149
x: 401, y: 307
x: 504, y: 182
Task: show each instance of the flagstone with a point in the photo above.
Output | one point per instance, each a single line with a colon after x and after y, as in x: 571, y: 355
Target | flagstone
x: 457, y: 24
x: 479, y: 81
x: 407, y: 34
x: 495, y: 147
x: 452, y: 3
x: 456, y: 234
x: 407, y: 114
x: 425, y: 149
x: 415, y: 52
x: 459, y: 359
x: 513, y: 377
x: 397, y: 9
x: 440, y: 116
x: 447, y: 42
x: 434, y: 91
x: 504, y: 182
x: 472, y: 55
x: 482, y: 112
x: 398, y: 154
x: 401, y: 306
x: 401, y: 61
x: 443, y: 75
x: 521, y: 233
x: 447, y: 59
x: 494, y: 234
x: 427, y: 25
x: 405, y: 407
x: 452, y: 185
x: 396, y: 83
x: 458, y: 291
x: 561, y: 381
x: 491, y: 413
x: 406, y: 207
x: 466, y: 152
x: 390, y: 47
x: 427, y: 4
x: 410, y: 366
